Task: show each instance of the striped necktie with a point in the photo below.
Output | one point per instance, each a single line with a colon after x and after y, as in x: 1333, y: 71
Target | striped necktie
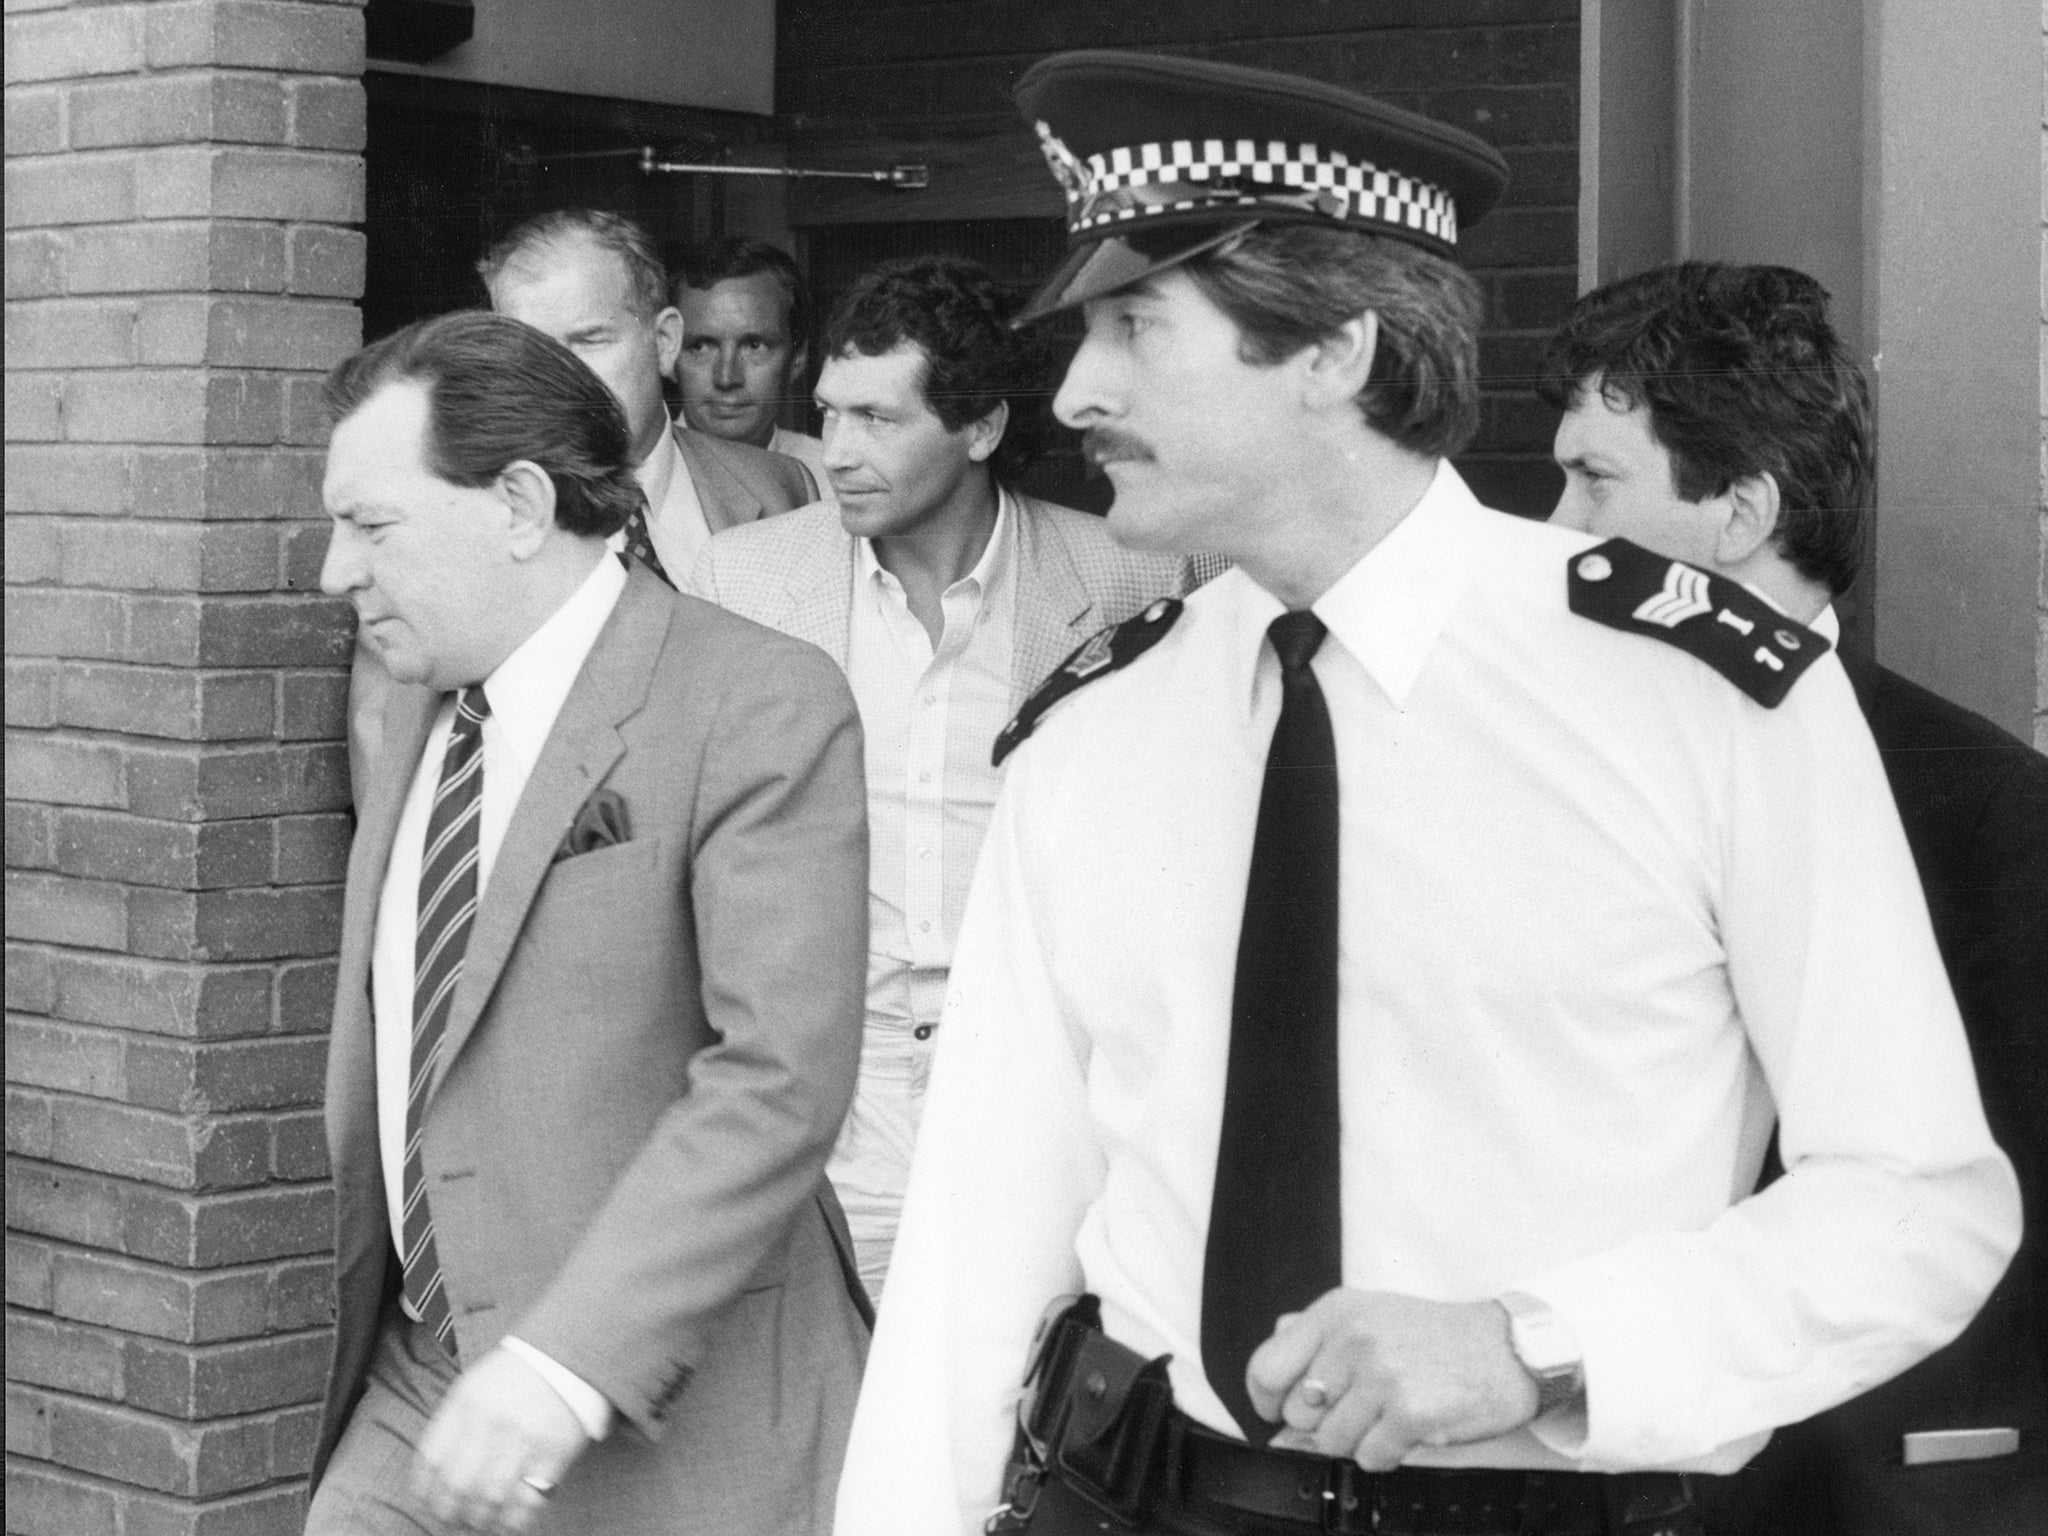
x: 1275, y: 1238
x: 447, y: 906
x: 640, y: 543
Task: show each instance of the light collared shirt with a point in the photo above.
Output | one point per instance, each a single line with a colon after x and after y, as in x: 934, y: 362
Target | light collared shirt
x: 525, y: 693
x: 806, y: 450
x: 1601, y: 917
x: 930, y: 715
x: 675, y: 517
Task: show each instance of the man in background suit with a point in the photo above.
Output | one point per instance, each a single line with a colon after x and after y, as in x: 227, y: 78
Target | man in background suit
x: 746, y: 344
x: 593, y: 281
x: 947, y: 596
x: 1712, y: 415
x: 597, y: 1017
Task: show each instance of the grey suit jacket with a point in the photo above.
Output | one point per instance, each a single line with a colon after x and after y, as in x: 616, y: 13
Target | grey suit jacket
x: 795, y: 574
x: 736, y: 483
x: 739, y: 483
x: 647, y: 1060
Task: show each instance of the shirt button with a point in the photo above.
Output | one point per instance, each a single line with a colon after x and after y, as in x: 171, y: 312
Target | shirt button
x: 925, y: 926
x: 923, y: 1031
x: 924, y: 775
x: 931, y: 698
x: 924, y: 853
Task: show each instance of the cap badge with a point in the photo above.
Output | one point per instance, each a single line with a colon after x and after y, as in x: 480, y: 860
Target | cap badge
x: 1066, y: 170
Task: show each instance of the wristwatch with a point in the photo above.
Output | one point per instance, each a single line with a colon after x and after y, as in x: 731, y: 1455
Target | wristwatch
x: 1548, y: 1350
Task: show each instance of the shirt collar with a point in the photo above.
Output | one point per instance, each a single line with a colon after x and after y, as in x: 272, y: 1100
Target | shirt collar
x: 988, y: 570
x: 1389, y: 608
x: 657, y: 471
x: 1827, y: 623
x: 528, y: 688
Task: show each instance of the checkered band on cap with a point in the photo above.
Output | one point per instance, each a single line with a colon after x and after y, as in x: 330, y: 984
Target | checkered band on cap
x: 1184, y: 176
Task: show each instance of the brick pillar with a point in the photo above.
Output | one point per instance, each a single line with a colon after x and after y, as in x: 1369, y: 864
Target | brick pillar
x: 181, y: 183
x: 2040, y: 721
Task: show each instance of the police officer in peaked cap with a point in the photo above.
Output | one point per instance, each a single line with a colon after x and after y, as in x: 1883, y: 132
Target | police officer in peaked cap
x: 1384, y: 969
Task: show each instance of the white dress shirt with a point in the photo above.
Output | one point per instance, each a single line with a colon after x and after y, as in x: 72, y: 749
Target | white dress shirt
x: 526, y: 693
x: 676, y: 525
x: 1602, y: 917
x: 930, y: 715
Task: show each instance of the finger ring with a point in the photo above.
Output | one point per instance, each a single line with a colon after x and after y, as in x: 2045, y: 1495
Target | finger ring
x: 1314, y: 1393
x: 539, y: 1485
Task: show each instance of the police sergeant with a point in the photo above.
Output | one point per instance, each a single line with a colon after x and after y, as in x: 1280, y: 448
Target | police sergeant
x: 1384, y: 970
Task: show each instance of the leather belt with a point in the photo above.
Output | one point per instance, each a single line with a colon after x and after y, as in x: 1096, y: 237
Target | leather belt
x: 1208, y: 1473
x: 1098, y: 1418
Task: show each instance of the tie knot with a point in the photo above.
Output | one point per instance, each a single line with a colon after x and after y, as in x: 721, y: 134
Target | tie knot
x: 472, y: 708
x: 1295, y: 637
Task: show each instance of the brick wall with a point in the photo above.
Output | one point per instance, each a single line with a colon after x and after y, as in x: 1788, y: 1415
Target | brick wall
x: 864, y: 83
x: 180, y: 181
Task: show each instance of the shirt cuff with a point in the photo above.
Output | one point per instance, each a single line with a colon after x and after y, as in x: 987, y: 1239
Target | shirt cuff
x: 590, y: 1406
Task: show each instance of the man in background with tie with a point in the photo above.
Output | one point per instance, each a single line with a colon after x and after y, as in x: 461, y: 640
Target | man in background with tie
x: 599, y: 1002
x: 593, y: 281
x: 1382, y: 968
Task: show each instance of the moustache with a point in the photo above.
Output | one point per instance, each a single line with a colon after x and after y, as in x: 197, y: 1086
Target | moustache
x: 1103, y: 446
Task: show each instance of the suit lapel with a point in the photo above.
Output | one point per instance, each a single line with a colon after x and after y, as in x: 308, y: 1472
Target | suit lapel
x: 725, y: 498
x: 1054, y: 611
x: 819, y: 589
x: 408, y: 719
x: 579, y: 752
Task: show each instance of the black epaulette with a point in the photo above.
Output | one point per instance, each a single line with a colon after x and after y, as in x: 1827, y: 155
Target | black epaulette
x: 1105, y: 651
x: 1722, y: 622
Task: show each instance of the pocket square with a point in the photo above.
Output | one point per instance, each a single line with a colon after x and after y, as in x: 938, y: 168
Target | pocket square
x: 600, y: 823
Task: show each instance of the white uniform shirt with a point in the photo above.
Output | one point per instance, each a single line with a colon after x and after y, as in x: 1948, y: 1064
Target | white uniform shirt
x: 526, y: 694
x: 676, y: 526
x: 1601, y: 915
x: 930, y: 717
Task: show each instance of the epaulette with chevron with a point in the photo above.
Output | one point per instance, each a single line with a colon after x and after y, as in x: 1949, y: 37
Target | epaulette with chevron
x: 1722, y: 622
x: 1103, y: 653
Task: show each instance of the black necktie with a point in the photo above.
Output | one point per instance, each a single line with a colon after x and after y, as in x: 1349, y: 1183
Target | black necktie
x: 1275, y: 1239
x: 447, y: 907
x: 640, y: 543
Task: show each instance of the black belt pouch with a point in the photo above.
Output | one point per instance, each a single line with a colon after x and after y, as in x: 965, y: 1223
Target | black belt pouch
x: 1110, y: 1450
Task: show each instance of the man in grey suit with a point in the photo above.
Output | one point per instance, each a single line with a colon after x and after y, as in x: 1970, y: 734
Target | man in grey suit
x: 597, y: 1016
x: 593, y: 280
x: 947, y: 596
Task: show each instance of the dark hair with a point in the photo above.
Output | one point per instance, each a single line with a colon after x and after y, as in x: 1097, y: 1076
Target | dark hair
x: 646, y: 278
x: 716, y: 261
x: 498, y: 391
x: 1741, y: 375
x: 955, y: 313
x: 1287, y: 286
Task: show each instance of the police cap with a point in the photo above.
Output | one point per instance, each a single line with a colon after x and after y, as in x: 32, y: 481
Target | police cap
x: 1164, y: 158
